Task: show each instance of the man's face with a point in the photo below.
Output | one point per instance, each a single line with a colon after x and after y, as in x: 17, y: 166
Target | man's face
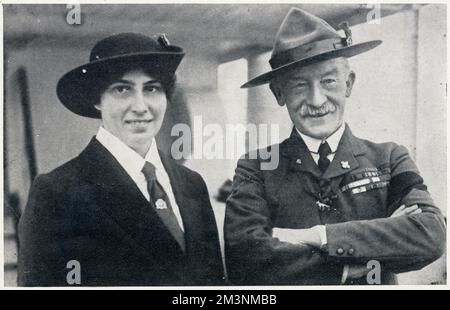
x: 315, y: 96
x: 133, y: 108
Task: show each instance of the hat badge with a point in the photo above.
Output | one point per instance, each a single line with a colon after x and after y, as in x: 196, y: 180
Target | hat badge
x: 347, y: 31
x: 163, y: 41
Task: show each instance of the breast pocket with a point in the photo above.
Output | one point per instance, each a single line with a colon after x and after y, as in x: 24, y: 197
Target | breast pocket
x: 364, y: 193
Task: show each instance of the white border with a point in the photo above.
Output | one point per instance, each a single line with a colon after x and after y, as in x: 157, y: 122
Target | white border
x: 212, y: 288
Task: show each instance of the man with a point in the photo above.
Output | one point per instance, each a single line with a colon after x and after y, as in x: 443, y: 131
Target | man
x: 335, y: 204
x: 122, y: 212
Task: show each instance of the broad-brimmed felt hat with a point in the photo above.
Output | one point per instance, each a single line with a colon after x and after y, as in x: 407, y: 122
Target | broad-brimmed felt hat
x: 305, y: 39
x: 76, y: 89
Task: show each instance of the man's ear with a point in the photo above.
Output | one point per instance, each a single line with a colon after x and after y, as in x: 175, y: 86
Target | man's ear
x: 276, y: 91
x: 350, y: 81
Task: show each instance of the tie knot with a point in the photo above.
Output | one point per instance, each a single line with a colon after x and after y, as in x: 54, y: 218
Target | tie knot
x: 149, y: 171
x: 324, y: 149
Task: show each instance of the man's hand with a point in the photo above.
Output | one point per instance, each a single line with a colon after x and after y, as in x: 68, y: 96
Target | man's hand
x: 352, y: 272
x: 403, y: 210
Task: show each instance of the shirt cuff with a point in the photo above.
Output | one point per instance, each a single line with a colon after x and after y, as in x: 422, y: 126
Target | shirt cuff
x: 345, y: 274
x: 323, y: 235
x: 287, y: 235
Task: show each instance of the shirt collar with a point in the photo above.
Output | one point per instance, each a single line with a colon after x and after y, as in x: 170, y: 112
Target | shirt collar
x: 131, y: 161
x: 153, y: 157
x: 313, y: 144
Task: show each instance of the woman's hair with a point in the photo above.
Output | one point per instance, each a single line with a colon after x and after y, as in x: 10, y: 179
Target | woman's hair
x: 111, y: 74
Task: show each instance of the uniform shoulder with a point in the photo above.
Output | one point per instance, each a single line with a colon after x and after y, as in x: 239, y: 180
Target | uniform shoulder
x: 66, y: 169
x: 266, y: 158
x: 388, y: 153
x: 380, y: 147
x: 54, y: 194
x: 262, y: 154
x: 61, y: 178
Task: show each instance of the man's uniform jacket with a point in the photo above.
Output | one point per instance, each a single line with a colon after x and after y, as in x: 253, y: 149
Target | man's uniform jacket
x: 364, y: 184
x: 90, y: 210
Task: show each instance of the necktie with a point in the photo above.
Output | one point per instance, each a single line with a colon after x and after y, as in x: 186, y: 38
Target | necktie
x: 161, y: 203
x: 324, y: 151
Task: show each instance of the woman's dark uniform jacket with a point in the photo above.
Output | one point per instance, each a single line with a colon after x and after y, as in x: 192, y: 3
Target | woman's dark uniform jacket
x: 90, y: 210
x: 366, y: 182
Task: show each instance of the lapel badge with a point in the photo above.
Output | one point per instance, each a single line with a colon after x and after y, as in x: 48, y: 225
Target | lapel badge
x: 160, y: 204
x: 345, y: 165
x: 298, y: 161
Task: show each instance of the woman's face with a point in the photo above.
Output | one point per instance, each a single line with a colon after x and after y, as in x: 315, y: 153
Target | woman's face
x: 133, y: 109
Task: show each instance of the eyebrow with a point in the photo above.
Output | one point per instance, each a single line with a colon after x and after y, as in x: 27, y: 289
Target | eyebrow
x: 329, y: 72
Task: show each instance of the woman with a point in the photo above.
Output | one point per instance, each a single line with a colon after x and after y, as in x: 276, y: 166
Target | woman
x: 122, y: 212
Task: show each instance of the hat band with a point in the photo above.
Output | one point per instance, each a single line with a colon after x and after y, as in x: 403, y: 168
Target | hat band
x: 306, y: 51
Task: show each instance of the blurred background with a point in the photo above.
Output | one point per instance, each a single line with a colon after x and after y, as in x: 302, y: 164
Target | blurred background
x: 399, y: 95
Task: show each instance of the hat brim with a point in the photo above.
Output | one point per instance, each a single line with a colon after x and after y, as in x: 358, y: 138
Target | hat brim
x: 347, y: 51
x: 76, y: 88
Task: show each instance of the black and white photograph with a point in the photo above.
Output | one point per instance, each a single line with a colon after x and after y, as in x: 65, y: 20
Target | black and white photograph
x: 224, y: 145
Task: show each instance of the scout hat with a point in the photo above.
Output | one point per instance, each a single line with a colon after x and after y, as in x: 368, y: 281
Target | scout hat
x: 304, y: 39
x: 77, y: 88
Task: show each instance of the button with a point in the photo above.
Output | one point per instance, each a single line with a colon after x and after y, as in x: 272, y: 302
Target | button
x: 340, y: 251
x: 351, y: 251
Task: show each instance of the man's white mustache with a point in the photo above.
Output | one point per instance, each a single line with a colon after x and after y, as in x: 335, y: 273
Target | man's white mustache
x: 307, y: 110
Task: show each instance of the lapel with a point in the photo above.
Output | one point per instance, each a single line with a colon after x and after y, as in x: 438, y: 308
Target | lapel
x: 295, y: 151
x: 124, y: 203
x: 300, y: 159
x: 345, y: 158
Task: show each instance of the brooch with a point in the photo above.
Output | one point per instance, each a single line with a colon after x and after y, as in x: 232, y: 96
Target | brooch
x: 160, y: 204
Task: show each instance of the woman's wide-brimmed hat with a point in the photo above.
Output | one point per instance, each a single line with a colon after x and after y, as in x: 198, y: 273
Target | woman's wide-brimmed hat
x: 304, y: 39
x: 76, y: 89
